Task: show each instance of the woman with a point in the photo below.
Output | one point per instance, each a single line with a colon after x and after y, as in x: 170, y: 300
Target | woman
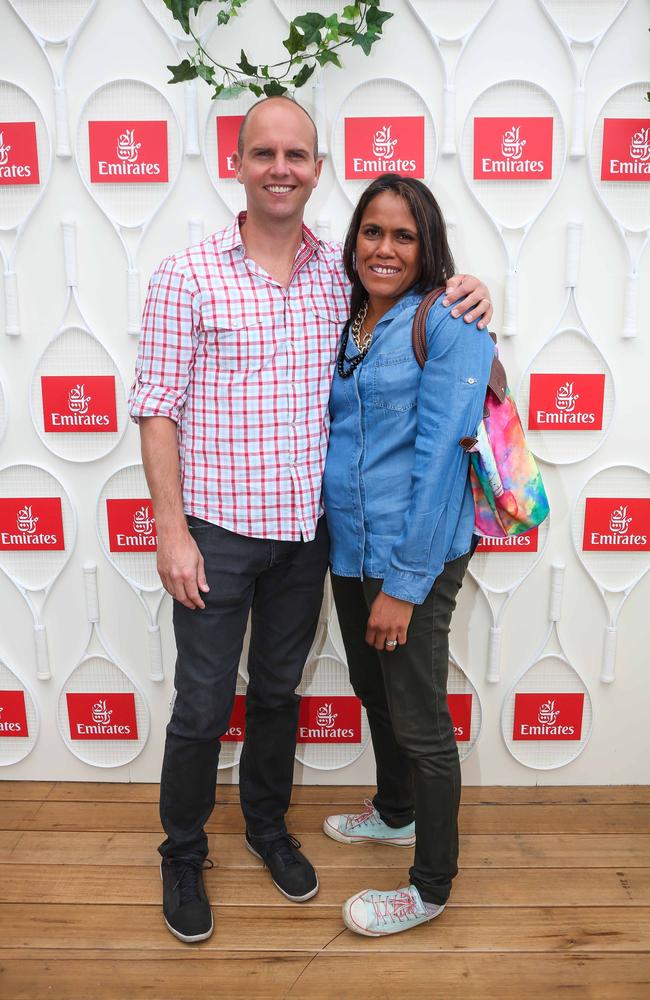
x: 400, y: 516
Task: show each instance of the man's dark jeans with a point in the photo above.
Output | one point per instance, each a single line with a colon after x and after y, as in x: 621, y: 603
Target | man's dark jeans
x: 405, y: 696
x: 281, y: 584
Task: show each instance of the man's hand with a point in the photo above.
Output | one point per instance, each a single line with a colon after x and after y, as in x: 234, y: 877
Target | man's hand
x: 389, y: 621
x: 476, y: 299
x: 181, y: 569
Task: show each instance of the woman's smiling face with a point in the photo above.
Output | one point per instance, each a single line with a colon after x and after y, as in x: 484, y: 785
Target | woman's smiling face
x: 387, y: 251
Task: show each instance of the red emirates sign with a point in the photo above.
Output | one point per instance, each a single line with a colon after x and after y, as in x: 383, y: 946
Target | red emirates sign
x: 548, y: 716
x: 376, y: 146
x: 513, y: 149
x: 615, y: 524
x: 79, y: 404
x: 460, y: 708
x: 18, y: 153
x: 105, y: 715
x: 566, y: 402
x: 131, y: 525
x: 325, y: 719
x: 626, y: 149
x: 13, y: 718
x: 517, y: 543
x: 128, y: 152
x: 227, y: 135
x: 31, y: 524
x: 237, y: 724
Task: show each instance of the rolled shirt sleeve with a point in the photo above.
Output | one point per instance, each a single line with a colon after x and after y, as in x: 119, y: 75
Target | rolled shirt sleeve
x: 167, y: 344
x: 449, y: 407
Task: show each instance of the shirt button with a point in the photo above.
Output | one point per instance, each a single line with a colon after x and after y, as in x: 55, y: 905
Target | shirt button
x: 471, y: 381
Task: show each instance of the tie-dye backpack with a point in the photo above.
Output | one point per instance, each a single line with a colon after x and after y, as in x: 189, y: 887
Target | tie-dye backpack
x: 509, y: 495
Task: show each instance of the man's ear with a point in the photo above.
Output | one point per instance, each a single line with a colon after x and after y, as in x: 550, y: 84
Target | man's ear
x: 237, y: 164
x: 317, y: 170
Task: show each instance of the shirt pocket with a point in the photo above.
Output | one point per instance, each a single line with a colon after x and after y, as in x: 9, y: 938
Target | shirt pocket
x: 234, y: 345
x: 395, y: 382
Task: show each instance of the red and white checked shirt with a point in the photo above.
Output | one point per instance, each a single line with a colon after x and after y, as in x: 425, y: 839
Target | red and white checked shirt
x: 244, y: 366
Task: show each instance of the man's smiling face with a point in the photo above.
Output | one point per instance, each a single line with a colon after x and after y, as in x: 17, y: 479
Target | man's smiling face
x: 278, y: 167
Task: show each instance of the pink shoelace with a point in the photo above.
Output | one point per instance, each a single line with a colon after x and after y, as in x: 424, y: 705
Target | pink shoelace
x: 397, y: 906
x: 369, y: 814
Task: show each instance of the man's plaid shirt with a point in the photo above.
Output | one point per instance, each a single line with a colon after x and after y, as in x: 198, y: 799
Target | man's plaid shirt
x: 244, y: 367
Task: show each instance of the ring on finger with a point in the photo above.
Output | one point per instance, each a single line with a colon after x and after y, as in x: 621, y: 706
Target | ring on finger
x: 390, y: 643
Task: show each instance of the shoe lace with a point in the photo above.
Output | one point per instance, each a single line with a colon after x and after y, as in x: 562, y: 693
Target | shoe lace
x: 395, y: 907
x: 368, y: 815
x: 284, y: 847
x: 188, y: 874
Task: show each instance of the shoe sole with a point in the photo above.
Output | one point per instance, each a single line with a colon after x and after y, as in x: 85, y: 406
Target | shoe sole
x: 343, y: 838
x: 188, y: 938
x: 356, y: 929
x: 294, y: 899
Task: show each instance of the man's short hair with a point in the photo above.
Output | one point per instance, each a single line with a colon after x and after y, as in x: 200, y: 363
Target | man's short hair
x: 283, y: 97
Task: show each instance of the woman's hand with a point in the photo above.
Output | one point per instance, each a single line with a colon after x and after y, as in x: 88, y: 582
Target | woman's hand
x: 388, y: 622
x: 476, y: 302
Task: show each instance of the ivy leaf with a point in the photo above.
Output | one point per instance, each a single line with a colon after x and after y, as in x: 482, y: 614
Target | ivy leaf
x: 181, y: 10
x: 184, y: 71
x: 351, y: 12
x: 301, y: 78
x: 365, y: 40
x: 227, y: 93
x: 255, y: 89
x: 310, y: 25
x: 205, y: 72
x: 295, y: 42
x: 328, y: 56
x: 376, y: 18
x: 274, y: 89
x: 245, y: 66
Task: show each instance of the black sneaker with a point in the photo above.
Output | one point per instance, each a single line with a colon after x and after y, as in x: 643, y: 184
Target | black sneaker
x: 186, y: 907
x: 290, y: 870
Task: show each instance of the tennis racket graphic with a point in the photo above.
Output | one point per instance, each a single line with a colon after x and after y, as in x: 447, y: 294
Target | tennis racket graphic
x: 195, y: 231
x: 19, y: 722
x: 220, y: 141
x: 4, y: 411
x: 102, y: 715
x: 56, y: 26
x: 450, y: 24
x: 627, y: 200
x: 546, y: 717
x: 499, y: 570
x: 512, y: 198
x: 465, y: 708
x: 37, y: 536
x: 582, y: 27
x: 126, y: 530
x: 610, y: 527
x: 570, y: 376
x: 388, y: 144
x: 76, y: 384
x: 325, y: 680
x: 18, y: 199
x: 203, y: 22
x: 139, y: 123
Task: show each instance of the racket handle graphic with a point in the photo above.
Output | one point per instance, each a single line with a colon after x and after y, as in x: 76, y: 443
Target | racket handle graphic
x: 323, y: 227
x: 493, y: 674
x: 70, y: 253
x: 448, y: 146
x: 12, y: 326
x: 631, y: 304
x: 92, y: 597
x: 155, y: 653
x: 578, y: 124
x: 509, y: 327
x: 196, y: 229
x: 61, y: 122
x: 192, y: 145
x: 43, y: 671
x: 133, y: 301
x: 557, y: 587
x: 573, y: 244
x: 320, y: 117
x: 608, y: 671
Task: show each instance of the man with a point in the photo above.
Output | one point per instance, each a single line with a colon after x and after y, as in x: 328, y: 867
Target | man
x: 231, y: 390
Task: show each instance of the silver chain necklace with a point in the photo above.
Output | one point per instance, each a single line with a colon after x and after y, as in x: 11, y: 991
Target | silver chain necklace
x: 360, y: 335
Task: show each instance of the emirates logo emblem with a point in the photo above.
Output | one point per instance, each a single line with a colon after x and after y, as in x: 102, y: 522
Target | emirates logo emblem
x: 640, y: 145
x: 127, y: 148
x: 619, y: 522
x: 78, y: 401
x: 100, y: 713
x: 4, y: 151
x: 566, y: 398
x: 512, y: 146
x: 383, y: 146
x: 325, y: 716
x: 143, y: 521
x: 26, y: 520
x: 548, y: 713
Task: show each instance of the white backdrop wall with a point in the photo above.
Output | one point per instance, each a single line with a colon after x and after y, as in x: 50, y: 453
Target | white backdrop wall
x: 516, y: 40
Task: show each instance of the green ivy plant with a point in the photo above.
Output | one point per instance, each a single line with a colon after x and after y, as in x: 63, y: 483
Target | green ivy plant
x: 313, y: 40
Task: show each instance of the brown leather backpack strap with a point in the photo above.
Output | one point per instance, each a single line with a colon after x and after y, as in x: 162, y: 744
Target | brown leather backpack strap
x: 420, y: 325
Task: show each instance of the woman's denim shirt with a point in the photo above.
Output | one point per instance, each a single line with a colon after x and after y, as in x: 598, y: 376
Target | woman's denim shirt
x: 396, y: 487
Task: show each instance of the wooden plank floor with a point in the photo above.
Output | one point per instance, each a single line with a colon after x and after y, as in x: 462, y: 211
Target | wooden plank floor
x: 553, y: 897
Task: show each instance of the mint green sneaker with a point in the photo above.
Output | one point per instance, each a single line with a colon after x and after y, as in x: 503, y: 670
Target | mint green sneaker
x: 375, y: 913
x: 368, y: 827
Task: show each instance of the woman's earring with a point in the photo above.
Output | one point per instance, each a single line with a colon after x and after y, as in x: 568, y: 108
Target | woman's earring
x: 354, y: 260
